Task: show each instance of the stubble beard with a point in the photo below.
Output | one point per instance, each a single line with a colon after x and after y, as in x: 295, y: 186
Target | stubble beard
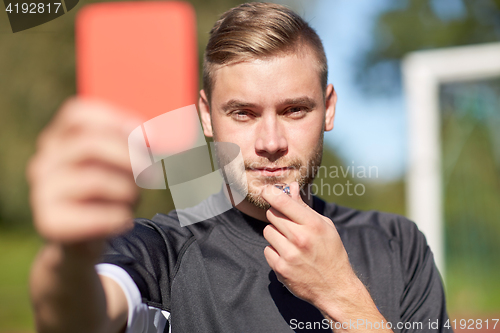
x: 305, y: 172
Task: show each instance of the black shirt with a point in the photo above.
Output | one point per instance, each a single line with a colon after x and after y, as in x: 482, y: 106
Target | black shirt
x: 212, y: 276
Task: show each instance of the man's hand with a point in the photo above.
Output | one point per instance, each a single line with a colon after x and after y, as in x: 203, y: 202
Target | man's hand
x: 308, y: 257
x: 82, y: 191
x: 81, y: 181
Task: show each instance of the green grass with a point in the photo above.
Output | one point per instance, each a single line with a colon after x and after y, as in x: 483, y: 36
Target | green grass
x: 473, y: 287
x: 17, y: 250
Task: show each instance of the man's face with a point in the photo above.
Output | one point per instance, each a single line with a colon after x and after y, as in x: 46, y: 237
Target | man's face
x: 275, y: 111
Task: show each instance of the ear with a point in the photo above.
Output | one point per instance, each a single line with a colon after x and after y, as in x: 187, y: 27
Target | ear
x: 330, y: 103
x: 206, y: 118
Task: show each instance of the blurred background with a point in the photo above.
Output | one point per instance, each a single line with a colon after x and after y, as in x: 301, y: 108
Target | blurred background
x: 365, y: 160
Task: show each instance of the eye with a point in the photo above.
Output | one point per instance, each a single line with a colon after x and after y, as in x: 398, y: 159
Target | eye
x: 240, y: 115
x: 296, y: 111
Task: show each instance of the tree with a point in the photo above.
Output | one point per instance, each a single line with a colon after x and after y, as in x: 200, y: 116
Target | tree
x: 423, y: 24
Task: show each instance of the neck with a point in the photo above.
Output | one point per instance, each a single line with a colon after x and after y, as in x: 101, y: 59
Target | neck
x: 259, y: 213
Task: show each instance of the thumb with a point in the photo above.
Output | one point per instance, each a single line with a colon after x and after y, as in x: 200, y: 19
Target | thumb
x: 295, y: 193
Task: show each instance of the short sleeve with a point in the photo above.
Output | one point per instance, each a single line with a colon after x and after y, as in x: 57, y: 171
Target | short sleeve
x: 141, y: 318
x: 144, y: 261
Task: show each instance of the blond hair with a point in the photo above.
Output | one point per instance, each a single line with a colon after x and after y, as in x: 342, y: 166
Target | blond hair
x: 258, y: 30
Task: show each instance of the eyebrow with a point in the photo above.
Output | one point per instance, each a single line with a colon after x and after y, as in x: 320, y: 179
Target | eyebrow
x: 238, y: 104
x: 304, y: 100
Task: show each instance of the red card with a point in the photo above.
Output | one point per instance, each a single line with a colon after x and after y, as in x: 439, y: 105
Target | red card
x: 141, y: 56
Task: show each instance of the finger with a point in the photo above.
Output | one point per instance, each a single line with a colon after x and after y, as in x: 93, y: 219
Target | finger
x: 88, y: 123
x: 277, y: 240
x: 289, y: 207
x: 282, y: 223
x: 295, y: 191
x: 108, y: 150
x: 77, y: 114
x: 78, y: 222
x: 272, y: 257
x: 92, y: 183
x: 64, y: 218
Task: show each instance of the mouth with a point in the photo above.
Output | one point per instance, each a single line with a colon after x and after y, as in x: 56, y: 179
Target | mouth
x: 271, y: 171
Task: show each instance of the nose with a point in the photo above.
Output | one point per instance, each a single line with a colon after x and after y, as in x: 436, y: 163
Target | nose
x: 271, y: 138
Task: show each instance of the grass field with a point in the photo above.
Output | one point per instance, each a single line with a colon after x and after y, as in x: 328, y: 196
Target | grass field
x: 17, y: 250
x: 473, y: 290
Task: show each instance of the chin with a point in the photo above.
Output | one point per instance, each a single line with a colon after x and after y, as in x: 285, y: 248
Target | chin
x: 255, y: 188
x: 257, y: 201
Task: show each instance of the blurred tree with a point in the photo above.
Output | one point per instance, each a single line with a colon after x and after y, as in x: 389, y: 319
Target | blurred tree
x: 412, y: 25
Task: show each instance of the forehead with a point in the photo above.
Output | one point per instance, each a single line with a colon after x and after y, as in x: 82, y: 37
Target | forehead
x: 267, y: 80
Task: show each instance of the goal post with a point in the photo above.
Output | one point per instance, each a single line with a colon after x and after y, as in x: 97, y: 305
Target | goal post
x: 423, y: 73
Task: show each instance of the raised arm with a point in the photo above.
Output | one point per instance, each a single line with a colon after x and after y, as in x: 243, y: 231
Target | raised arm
x: 82, y: 191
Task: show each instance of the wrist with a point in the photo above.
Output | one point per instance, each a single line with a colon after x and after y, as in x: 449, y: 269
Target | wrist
x: 65, y: 288
x: 88, y: 252
x: 71, y: 258
x: 344, y: 301
x: 352, y: 308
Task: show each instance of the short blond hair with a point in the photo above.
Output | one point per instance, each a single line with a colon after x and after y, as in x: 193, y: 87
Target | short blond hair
x: 258, y: 30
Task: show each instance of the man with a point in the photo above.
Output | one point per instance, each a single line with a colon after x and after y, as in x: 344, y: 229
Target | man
x: 275, y: 263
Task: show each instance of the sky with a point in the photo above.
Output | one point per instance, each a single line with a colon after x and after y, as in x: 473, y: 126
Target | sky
x: 369, y: 131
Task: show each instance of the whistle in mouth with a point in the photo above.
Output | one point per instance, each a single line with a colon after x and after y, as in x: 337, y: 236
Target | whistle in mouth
x: 284, y: 187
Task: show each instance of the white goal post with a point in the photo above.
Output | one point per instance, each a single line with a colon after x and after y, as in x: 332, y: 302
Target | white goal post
x: 423, y: 72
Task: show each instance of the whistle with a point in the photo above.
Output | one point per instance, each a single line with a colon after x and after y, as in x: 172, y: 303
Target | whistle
x: 284, y: 187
